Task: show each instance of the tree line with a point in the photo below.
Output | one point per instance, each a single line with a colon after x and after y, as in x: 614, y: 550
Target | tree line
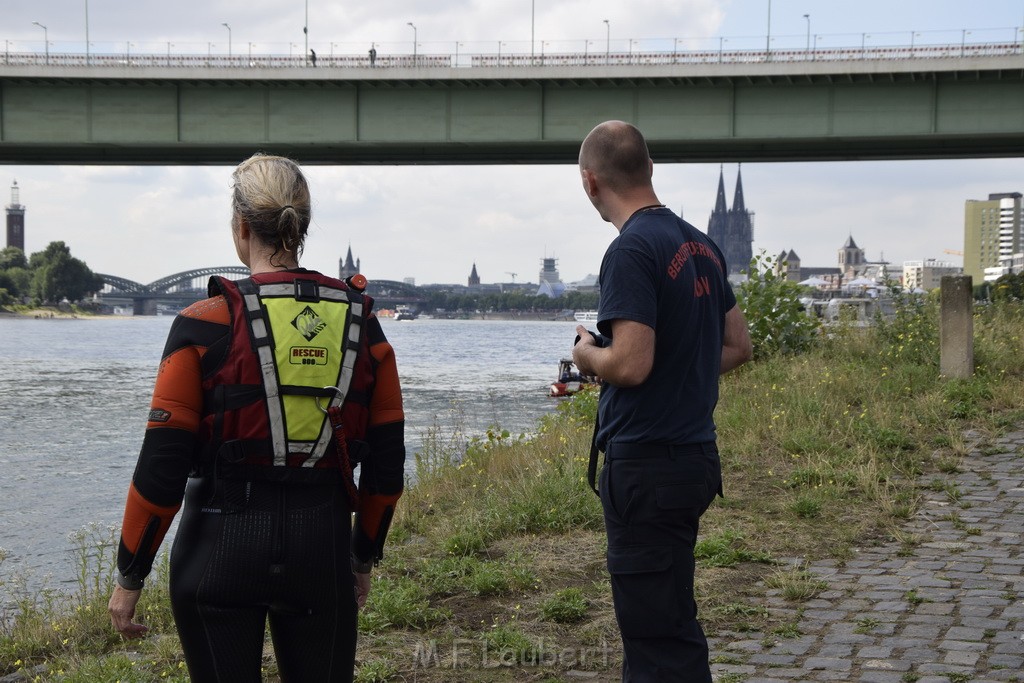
x: 517, y: 300
x: 46, y: 277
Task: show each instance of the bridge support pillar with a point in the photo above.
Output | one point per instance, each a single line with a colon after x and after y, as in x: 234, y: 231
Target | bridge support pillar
x: 144, y: 306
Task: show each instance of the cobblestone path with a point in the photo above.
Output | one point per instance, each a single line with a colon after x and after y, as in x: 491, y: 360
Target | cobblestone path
x: 947, y: 608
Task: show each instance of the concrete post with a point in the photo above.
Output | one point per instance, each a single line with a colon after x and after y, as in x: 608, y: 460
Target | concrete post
x: 956, y: 327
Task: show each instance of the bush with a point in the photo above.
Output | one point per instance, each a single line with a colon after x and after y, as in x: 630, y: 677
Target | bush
x: 778, y: 322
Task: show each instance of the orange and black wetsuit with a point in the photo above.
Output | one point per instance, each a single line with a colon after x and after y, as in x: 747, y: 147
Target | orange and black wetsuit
x: 263, y: 534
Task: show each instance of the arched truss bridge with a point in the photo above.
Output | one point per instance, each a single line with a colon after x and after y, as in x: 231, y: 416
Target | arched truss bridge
x: 172, y: 283
x: 184, y: 282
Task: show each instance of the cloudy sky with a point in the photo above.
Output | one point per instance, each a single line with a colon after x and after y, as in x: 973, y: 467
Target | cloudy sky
x: 433, y: 223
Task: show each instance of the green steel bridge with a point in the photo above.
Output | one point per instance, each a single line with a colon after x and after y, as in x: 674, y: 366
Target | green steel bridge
x: 950, y: 100
x: 184, y: 288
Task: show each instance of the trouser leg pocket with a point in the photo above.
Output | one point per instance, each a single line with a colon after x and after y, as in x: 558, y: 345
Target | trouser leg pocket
x: 647, y: 591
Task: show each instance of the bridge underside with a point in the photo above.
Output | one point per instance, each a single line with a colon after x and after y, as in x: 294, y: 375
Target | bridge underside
x: 749, y: 112
x: 704, y: 151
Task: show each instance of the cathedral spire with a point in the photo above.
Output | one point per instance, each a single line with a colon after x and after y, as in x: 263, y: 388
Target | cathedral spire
x: 737, y: 200
x: 720, y: 206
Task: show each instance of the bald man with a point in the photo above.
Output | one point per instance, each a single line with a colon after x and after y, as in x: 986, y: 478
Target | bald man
x: 669, y: 325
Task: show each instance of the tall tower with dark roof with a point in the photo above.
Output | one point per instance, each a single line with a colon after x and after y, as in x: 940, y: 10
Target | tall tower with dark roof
x: 474, y: 279
x: 15, y: 220
x: 851, y: 257
x: 346, y: 266
x: 732, y: 229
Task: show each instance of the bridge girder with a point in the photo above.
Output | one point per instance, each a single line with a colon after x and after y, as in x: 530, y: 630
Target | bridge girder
x: 124, y: 284
x: 863, y: 105
x: 166, y: 283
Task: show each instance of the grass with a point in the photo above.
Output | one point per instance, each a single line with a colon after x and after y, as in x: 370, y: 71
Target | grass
x: 495, y: 568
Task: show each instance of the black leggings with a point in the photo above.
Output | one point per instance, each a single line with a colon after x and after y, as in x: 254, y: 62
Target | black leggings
x: 246, y: 551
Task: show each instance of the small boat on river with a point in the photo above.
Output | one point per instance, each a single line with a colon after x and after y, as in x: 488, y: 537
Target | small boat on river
x: 569, y: 379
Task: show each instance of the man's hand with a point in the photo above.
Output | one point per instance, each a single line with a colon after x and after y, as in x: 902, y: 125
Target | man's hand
x: 122, y: 611
x: 579, y: 352
x: 625, y: 362
x: 362, y: 588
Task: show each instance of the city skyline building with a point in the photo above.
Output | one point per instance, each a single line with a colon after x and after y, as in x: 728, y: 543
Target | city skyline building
x: 16, y: 219
x: 549, y: 279
x: 992, y: 231
x: 927, y: 274
x: 732, y: 229
x: 474, y: 279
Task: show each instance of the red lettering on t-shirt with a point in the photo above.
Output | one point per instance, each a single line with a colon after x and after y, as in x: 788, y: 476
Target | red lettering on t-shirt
x: 683, y: 254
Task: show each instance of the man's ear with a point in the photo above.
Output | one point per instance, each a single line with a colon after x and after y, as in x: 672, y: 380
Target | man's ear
x: 589, y: 182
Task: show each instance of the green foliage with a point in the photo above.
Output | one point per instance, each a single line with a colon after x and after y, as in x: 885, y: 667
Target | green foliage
x: 376, y: 671
x: 456, y: 573
x: 17, y: 281
x: 806, y: 506
x: 777, y: 320
x: 399, y: 602
x: 517, y: 300
x: 725, y: 550
x: 12, y: 257
x: 49, y: 275
x: 964, y: 396
x: 911, y: 335
x: 1009, y: 287
x: 57, y: 275
x: 568, y: 606
x: 508, y: 643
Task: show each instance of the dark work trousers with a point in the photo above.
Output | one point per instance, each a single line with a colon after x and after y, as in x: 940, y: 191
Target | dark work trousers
x: 249, y: 551
x: 653, y: 497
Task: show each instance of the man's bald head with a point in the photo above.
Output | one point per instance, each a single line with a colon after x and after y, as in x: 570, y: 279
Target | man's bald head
x: 616, y: 152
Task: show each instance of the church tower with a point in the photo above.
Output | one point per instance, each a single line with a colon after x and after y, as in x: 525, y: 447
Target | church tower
x: 346, y: 266
x: 851, y: 258
x: 474, y: 279
x: 15, y: 220
x: 732, y: 229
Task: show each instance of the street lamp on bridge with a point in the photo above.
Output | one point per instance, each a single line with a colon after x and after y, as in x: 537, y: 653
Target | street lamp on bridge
x: 808, y: 18
x: 414, y: 41
x: 225, y: 25
x: 46, y: 40
x: 607, y: 40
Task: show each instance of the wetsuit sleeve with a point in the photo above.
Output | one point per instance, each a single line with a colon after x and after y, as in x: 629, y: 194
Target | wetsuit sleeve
x: 166, y: 457
x: 382, y: 474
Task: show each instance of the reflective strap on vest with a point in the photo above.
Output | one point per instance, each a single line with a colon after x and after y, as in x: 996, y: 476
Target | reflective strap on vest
x: 268, y: 369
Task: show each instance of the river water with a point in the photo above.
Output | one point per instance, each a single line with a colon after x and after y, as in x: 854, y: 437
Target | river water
x: 74, y: 395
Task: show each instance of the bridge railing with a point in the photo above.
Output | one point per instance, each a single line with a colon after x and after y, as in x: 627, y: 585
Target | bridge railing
x: 473, y: 60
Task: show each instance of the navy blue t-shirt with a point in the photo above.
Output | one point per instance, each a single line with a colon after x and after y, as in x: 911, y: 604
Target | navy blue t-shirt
x: 663, y: 272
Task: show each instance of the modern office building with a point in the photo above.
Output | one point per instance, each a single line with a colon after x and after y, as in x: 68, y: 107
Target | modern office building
x: 16, y: 220
x: 992, y: 231
x: 927, y: 274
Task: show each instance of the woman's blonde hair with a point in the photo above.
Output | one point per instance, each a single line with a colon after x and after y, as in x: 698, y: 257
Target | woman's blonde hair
x: 272, y: 196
